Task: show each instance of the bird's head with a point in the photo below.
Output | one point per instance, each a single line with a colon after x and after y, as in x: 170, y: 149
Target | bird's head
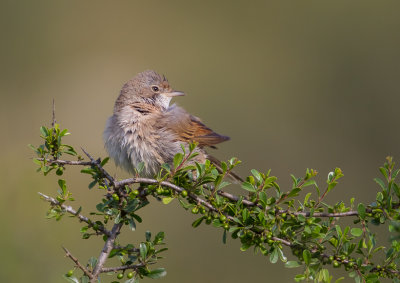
x: 149, y: 87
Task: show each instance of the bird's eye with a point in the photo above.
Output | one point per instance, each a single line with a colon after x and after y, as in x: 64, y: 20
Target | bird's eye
x: 155, y: 88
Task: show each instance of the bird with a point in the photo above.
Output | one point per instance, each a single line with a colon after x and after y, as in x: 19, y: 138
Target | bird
x: 145, y: 128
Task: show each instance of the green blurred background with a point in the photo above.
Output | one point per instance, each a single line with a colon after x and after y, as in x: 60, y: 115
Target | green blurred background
x: 295, y: 84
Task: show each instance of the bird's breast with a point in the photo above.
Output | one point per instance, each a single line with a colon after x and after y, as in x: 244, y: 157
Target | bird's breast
x: 139, y: 141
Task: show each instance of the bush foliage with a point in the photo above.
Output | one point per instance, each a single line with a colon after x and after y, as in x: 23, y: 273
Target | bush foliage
x: 301, y: 233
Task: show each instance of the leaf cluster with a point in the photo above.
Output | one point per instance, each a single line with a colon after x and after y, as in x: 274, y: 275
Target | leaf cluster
x: 280, y: 224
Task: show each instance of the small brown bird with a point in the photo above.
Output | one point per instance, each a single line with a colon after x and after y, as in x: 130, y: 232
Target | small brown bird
x: 145, y: 128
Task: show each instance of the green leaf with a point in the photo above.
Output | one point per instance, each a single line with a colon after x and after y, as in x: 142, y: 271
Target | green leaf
x: 140, y: 167
x: 132, y: 205
x: 394, y: 173
x: 323, y: 275
x: 104, y: 161
x: 256, y: 174
x: 177, y: 160
x: 245, y: 246
x: 166, y: 167
x: 294, y: 192
x: 273, y: 258
x: 338, y: 231
x: 32, y: 147
x: 148, y: 235
x: 263, y: 197
x: 380, y: 183
x: 245, y: 214
x: 184, y: 205
x: 339, y: 279
x: 157, y: 273
x: 224, y: 237
x: 85, y: 236
x: 396, y: 189
x: 292, y: 264
x: 167, y: 200
x: 143, y: 250
x: 132, y: 224
x: 309, y: 183
x: 62, y: 184
x: 299, y: 277
x: 281, y: 255
x: 357, y: 232
x: 217, y: 223
x: 224, y: 167
x: 361, y: 210
x: 37, y: 162
x: 44, y: 131
x: 92, y: 262
x: 87, y: 170
x: 307, y: 257
x: 137, y: 217
x: 197, y: 222
x: 301, y: 218
x: 223, y: 184
x: 384, y: 173
x: 307, y: 197
x: 72, y: 279
x: 92, y: 184
x: 159, y: 238
x: 248, y: 187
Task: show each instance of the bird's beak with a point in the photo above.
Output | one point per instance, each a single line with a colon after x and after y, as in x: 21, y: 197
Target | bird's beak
x: 174, y: 93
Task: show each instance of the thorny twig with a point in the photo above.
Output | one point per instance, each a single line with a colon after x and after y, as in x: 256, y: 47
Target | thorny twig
x: 109, y: 245
x: 77, y: 263
x: 72, y: 211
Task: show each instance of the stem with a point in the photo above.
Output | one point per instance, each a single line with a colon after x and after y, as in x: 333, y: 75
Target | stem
x: 72, y: 211
x: 108, y: 246
x: 77, y: 263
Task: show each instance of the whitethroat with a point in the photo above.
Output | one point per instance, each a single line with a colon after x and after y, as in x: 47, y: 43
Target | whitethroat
x: 145, y: 128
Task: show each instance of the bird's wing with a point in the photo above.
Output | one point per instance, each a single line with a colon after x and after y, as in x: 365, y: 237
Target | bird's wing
x: 188, y: 128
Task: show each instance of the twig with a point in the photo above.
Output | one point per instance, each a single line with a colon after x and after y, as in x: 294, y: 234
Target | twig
x: 122, y: 183
x: 133, y: 250
x: 119, y: 184
x: 102, y: 170
x: 53, y: 121
x: 235, y: 198
x: 77, y: 263
x: 66, y: 162
x: 191, y: 195
x: 123, y: 267
x: 108, y: 246
x: 72, y: 211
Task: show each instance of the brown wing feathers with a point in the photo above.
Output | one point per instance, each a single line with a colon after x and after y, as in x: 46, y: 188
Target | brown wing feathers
x: 189, y: 128
x: 203, y: 135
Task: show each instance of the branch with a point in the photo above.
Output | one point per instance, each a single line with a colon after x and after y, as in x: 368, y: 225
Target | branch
x: 108, y: 246
x: 124, y: 267
x: 102, y: 170
x: 122, y: 183
x: 72, y: 211
x: 77, y: 263
x: 133, y: 250
x: 191, y: 195
x: 66, y: 162
x: 306, y: 214
x: 232, y: 198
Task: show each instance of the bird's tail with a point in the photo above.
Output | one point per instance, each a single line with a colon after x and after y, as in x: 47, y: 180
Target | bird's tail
x: 232, y: 175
